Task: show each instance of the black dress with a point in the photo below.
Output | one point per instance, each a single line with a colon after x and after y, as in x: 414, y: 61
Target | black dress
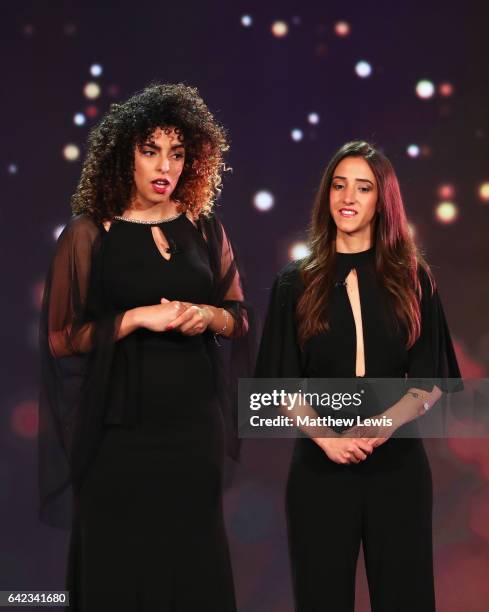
x: 146, y: 458
x: 384, y: 502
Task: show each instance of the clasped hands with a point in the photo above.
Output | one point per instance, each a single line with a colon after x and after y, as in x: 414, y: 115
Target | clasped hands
x: 355, y: 444
x: 189, y: 319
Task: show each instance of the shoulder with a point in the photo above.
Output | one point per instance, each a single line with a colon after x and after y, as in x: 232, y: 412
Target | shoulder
x: 289, y: 279
x: 80, y: 230
x: 427, y: 285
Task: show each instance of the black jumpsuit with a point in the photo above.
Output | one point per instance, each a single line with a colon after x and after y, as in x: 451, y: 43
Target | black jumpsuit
x: 385, y: 502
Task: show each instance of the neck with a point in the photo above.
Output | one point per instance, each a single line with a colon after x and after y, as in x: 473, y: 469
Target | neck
x: 148, y: 211
x: 352, y: 243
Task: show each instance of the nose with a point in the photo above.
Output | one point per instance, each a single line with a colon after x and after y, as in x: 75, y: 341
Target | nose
x: 164, y: 164
x: 349, y: 194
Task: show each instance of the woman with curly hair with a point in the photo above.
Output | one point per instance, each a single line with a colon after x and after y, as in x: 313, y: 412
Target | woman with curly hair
x: 361, y: 304
x: 134, y: 414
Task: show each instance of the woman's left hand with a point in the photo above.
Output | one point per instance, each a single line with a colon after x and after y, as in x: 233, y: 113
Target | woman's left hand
x: 194, y: 320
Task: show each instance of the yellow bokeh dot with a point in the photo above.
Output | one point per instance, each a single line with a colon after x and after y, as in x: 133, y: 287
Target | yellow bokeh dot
x: 446, y: 212
x: 484, y: 192
x: 280, y: 29
x: 91, y: 91
x: 71, y: 152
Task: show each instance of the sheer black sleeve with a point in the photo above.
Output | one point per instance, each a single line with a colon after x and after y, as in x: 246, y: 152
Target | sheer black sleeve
x: 279, y: 355
x: 233, y: 357
x: 76, y: 338
x: 432, y: 356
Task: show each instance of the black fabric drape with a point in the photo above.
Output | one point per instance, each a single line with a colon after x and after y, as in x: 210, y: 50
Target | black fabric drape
x: 88, y: 378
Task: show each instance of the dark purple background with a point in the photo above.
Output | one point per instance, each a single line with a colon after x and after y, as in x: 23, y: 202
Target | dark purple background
x: 260, y: 87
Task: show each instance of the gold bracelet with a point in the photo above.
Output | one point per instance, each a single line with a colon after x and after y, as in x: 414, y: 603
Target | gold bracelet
x: 426, y: 406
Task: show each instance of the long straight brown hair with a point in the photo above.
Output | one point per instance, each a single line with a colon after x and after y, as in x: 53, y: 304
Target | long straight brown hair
x: 396, y: 255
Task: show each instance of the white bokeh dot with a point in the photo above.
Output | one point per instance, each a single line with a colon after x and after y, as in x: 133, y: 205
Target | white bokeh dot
x: 246, y: 21
x: 413, y: 150
x: 296, y: 135
x: 263, y: 201
x: 79, y: 119
x: 425, y: 89
x: 12, y: 169
x: 96, y: 70
x: 299, y: 250
x: 363, y: 69
x: 313, y: 118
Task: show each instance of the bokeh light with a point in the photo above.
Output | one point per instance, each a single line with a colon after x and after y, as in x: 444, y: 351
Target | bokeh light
x: 91, y: 111
x: 363, y: 69
x: 96, y: 70
x: 24, y: 419
x: 296, y: 135
x: 280, y: 29
x: 446, y: 90
x: 342, y: 28
x: 79, y: 119
x: 413, y: 150
x: 298, y: 250
x: 113, y: 90
x: 425, y: 89
x: 57, y: 231
x: 69, y: 29
x: 446, y: 212
x: 263, y: 201
x: 446, y: 191
x: 12, y: 169
x: 91, y: 90
x: 37, y: 293
x: 484, y: 192
x: 71, y: 152
x: 28, y: 29
x: 313, y: 118
x: 246, y: 21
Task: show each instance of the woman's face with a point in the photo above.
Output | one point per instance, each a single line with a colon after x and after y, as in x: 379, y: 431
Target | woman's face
x: 353, y: 197
x: 158, y: 164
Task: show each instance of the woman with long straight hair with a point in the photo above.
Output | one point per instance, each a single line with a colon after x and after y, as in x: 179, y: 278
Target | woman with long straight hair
x: 363, y: 303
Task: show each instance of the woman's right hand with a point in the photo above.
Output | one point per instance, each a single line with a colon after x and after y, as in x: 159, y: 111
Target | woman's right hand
x: 345, y: 450
x: 156, y: 318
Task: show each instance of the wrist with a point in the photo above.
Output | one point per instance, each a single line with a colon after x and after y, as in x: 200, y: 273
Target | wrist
x: 209, y: 313
x: 135, y: 317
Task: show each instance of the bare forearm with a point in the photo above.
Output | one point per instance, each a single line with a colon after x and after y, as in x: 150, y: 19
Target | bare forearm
x: 410, y: 407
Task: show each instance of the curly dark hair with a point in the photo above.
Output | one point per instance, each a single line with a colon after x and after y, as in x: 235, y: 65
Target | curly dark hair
x: 106, y: 184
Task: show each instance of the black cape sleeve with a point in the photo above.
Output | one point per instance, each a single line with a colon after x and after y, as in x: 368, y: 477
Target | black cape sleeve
x: 77, y: 335
x: 432, y: 356
x: 233, y: 357
x: 279, y: 354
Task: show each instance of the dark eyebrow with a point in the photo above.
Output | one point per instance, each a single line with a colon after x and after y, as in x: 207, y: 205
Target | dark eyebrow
x: 357, y: 179
x: 153, y: 145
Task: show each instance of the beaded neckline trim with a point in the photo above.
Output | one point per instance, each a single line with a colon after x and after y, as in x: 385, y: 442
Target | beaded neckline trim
x: 143, y: 222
